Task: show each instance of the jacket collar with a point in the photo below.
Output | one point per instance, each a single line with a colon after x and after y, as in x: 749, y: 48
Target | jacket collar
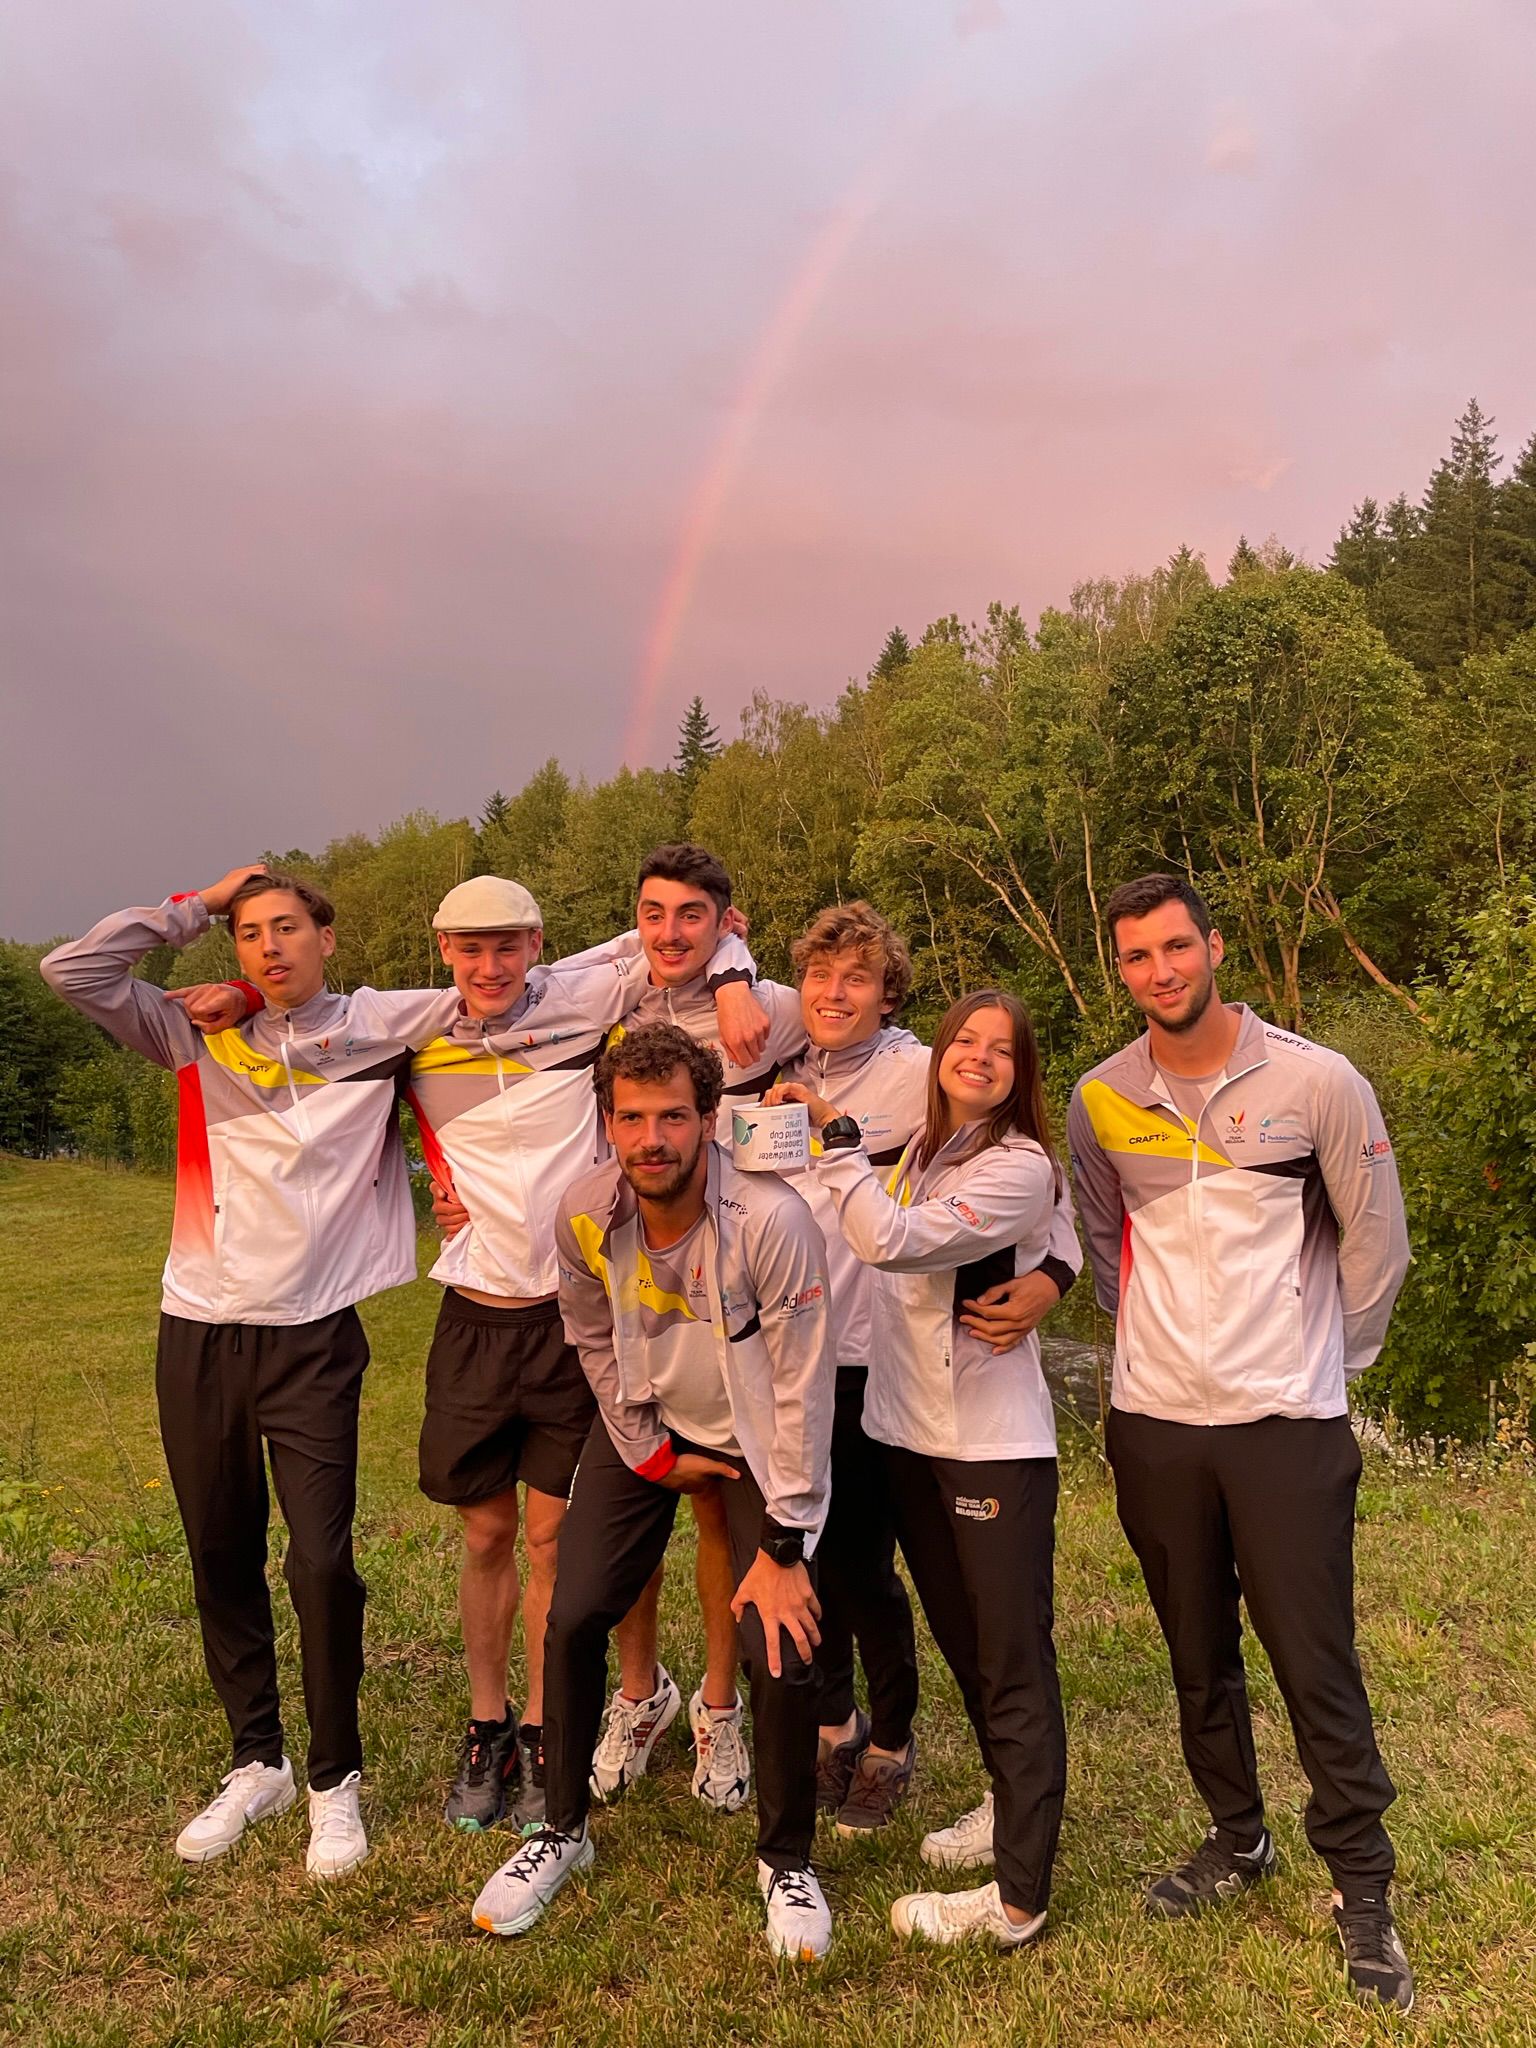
x: 852, y: 1059
x: 322, y: 1012
x: 1135, y: 1072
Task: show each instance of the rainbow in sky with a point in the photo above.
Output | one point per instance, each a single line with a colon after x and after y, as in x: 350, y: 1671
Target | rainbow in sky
x: 780, y: 339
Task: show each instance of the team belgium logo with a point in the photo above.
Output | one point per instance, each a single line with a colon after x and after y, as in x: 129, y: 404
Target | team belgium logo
x: 970, y: 1509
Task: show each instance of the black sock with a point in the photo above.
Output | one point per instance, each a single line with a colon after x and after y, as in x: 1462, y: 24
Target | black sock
x: 486, y: 1730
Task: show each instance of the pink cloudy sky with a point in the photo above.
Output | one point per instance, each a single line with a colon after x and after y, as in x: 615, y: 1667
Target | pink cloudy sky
x: 398, y: 395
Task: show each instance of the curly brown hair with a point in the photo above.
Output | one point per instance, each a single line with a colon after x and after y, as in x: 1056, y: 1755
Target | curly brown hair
x: 858, y: 928
x: 319, y: 906
x: 654, y: 1052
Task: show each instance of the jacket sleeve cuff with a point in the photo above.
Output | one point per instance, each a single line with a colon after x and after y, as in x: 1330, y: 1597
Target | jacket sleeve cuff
x: 728, y: 974
x: 254, y: 999
x: 1058, y: 1271
x: 659, y: 1463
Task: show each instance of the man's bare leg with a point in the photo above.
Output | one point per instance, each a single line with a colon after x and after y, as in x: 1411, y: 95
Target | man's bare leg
x: 542, y: 1515
x: 635, y: 1640
x: 715, y: 1578
x: 488, y: 1596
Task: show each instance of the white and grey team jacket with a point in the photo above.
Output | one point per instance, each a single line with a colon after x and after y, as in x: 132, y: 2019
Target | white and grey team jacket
x: 1250, y: 1257
x: 933, y: 1387
x: 765, y: 1275
x: 291, y: 1193
x: 883, y: 1083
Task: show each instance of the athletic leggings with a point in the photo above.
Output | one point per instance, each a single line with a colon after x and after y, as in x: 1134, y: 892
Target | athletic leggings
x: 979, y: 1541
x: 861, y: 1593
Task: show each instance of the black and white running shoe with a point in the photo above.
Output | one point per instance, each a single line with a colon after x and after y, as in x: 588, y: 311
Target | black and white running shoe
x: 1211, y: 1875
x: 1379, y: 1971
x: 799, y: 1920
x: 514, y: 1898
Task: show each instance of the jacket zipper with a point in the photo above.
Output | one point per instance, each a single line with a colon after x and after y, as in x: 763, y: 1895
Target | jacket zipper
x: 513, y: 1148
x: 1194, y: 1208
x: 301, y: 1118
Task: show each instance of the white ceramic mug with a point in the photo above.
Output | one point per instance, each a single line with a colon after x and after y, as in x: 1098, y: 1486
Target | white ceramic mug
x: 773, y: 1140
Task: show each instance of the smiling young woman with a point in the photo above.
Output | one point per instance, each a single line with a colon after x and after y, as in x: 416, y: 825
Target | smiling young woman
x: 969, y: 1436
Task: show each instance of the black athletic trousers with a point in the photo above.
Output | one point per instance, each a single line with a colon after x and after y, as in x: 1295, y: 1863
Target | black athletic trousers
x: 1267, y: 1510
x: 222, y: 1389
x: 979, y: 1540
x: 858, y: 1585
x: 613, y: 1537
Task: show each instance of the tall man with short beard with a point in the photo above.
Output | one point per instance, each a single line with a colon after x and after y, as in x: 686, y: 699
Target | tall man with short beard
x: 1246, y: 1230
x: 697, y: 1298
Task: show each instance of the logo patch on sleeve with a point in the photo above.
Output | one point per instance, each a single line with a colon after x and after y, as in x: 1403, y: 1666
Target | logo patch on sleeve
x: 967, y: 1214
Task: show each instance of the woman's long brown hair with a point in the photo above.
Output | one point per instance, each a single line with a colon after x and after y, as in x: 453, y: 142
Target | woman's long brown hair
x: 1021, y: 1109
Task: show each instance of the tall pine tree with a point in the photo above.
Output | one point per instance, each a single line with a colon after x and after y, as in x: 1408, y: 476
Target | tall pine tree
x: 895, y: 654
x: 1245, y: 560
x: 1450, y: 587
x: 697, y: 745
x: 1515, y: 518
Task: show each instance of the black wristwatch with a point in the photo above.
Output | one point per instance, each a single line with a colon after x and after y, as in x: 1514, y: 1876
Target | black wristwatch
x: 784, y: 1546
x: 841, y: 1134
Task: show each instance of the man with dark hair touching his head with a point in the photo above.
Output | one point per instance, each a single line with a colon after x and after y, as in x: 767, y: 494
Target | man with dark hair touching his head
x: 291, y: 1206
x: 1245, y: 1227
x: 697, y: 1299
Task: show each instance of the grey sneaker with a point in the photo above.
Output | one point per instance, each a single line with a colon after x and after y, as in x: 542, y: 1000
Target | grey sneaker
x: 835, y: 1766
x: 488, y: 1775
x: 880, y: 1783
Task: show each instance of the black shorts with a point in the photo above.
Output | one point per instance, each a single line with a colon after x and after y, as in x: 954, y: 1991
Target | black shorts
x: 507, y: 1400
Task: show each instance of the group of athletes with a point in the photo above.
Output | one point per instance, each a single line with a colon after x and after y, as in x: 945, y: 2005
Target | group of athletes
x: 830, y: 1362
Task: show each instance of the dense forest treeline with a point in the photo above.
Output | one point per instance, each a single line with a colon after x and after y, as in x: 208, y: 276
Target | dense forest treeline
x: 1340, y: 757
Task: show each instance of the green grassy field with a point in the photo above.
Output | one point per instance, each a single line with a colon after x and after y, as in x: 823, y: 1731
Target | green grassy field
x: 109, y: 1736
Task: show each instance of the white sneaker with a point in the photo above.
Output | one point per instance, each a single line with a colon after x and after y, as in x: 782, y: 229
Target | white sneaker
x: 799, y: 1919
x: 963, y: 1916
x: 515, y: 1897
x: 248, y: 1795
x: 631, y: 1730
x: 722, y: 1777
x: 965, y: 1843
x: 337, y: 1840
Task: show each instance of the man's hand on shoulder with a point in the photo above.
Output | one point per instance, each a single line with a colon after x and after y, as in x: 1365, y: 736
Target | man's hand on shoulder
x: 216, y: 899
x: 212, y: 1005
x: 785, y: 1599
x: 742, y: 1023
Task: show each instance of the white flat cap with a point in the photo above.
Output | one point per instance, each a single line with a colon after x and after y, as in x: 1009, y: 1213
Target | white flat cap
x: 488, y: 904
